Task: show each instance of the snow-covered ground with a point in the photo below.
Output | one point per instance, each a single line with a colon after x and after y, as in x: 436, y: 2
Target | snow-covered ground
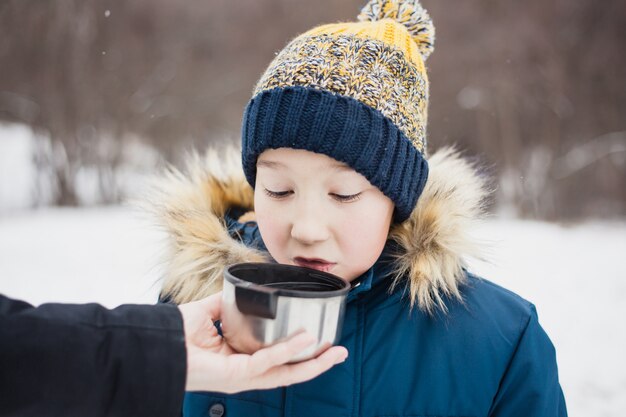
x: 76, y: 255
x: 575, y: 275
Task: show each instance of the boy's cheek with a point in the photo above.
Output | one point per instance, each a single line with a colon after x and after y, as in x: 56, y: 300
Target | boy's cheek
x: 364, y: 239
x: 273, y: 233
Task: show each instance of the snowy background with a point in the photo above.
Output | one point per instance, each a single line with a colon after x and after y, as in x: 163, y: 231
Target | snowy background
x: 575, y: 274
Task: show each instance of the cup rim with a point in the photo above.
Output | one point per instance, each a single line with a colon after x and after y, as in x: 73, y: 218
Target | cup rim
x: 314, y: 273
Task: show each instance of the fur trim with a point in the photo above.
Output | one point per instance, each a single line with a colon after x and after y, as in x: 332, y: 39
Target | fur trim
x: 437, y: 236
x: 191, y: 207
x: 432, y: 242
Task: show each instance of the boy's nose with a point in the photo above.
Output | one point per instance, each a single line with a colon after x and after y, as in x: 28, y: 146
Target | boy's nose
x: 309, y: 227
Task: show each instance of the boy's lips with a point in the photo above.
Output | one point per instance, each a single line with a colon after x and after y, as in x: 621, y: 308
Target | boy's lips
x: 314, y: 263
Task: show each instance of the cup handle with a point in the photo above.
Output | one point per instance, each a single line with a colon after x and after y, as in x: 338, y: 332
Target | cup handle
x: 260, y: 302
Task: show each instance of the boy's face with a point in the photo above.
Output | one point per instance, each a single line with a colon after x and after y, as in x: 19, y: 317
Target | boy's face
x: 316, y: 212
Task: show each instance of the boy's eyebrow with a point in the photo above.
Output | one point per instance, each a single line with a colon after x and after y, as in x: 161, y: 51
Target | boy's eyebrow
x: 270, y: 164
x: 338, y: 166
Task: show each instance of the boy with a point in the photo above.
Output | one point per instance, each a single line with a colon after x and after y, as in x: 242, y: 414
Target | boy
x: 334, y: 145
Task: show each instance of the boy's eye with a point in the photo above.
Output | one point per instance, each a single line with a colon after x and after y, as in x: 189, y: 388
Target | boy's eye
x: 346, y: 198
x: 277, y: 194
x: 339, y: 197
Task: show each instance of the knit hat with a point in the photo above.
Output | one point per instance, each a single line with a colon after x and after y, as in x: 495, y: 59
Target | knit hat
x: 355, y: 91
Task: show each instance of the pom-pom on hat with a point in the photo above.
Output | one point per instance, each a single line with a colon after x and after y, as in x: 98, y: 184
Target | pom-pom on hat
x: 355, y: 91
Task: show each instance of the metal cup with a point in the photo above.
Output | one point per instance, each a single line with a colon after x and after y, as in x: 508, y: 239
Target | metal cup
x: 265, y: 303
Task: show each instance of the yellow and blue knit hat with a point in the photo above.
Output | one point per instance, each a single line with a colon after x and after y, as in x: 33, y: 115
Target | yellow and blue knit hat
x: 355, y: 91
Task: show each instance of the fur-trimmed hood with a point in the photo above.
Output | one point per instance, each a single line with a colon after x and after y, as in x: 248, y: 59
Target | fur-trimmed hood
x: 433, y: 242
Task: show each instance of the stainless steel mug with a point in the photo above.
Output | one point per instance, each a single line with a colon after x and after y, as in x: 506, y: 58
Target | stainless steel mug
x: 264, y: 303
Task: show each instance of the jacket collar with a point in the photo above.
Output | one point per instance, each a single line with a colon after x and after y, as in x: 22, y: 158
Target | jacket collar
x: 428, y: 251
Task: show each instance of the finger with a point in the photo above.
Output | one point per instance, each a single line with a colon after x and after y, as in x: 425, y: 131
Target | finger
x: 279, y: 354
x: 205, y: 335
x: 202, y: 330
x: 211, y: 339
x: 213, y: 305
x: 303, y: 371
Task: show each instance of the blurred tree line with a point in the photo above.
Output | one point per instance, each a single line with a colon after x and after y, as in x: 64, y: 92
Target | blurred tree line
x: 535, y: 88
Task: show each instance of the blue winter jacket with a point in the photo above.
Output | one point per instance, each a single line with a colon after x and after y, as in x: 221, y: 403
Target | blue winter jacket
x: 486, y: 356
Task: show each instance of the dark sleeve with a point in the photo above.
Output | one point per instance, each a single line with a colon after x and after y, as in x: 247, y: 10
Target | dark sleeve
x: 85, y: 360
x: 530, y: 386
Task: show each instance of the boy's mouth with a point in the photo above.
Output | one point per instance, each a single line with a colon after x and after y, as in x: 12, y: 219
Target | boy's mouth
x: 314, y: 263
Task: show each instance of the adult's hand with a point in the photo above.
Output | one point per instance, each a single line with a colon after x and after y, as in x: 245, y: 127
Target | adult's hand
x: 212, y: 365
